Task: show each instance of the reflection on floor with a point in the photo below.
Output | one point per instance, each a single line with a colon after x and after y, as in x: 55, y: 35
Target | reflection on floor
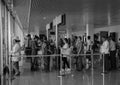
x: 75, y: 78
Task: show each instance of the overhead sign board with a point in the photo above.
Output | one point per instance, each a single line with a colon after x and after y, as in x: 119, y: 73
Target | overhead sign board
x: 47, y: 26
x: 60, y: 20
x: 54, y: 21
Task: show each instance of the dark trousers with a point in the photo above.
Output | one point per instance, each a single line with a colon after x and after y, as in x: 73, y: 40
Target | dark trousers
x: 47, y: 63
x: 28, y: 51
x: 79, y: 63
x: 106, y: 62
x: 113, y: 60
x: 65, y: 62
x: 16, y: 64
x: 34, y: 63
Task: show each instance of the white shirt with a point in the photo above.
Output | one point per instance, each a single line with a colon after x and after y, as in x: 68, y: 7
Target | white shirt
x: 88, y: 45
x: 15, y: 52
x: 65, y: 46
x: 65, y: 50
x: 112, y: 45
x: 105, y: 47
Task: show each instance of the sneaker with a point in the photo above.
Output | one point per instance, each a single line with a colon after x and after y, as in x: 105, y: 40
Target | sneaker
x: 68, y: 69
x: 62, y: 72
x: 17, y: 73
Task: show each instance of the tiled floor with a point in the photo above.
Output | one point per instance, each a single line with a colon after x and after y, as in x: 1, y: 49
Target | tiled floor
x: 75, y: 78
x: 85, y: 77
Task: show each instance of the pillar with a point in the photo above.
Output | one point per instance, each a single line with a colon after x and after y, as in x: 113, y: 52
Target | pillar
x: 88, y: 22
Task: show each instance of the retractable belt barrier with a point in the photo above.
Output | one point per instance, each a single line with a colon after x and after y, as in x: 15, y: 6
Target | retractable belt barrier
x: 71, y: 55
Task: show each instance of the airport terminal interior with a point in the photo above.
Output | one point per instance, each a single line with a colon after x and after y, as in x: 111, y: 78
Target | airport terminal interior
x: 59, y: 42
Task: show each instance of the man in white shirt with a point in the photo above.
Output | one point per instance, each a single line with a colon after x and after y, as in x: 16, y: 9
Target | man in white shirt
x: 88, y: 51
x: 105, y: 51
x: 89, y: 43
x: 112, y: 54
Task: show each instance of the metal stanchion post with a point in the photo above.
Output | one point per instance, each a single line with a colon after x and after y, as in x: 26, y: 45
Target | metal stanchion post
x: 92, y: 60
x: 10, y: 71
x: 70, y: 63
x: 50, y: 63
x: 61, y: 64
x: 103, y: 69
x: 43, y: 67
x: 60, y: 72
x: 103, y: 63
x: 103, y: 79
x: 71, y: 66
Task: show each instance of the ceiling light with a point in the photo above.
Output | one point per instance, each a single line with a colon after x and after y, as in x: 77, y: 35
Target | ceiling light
x: 44, y: 18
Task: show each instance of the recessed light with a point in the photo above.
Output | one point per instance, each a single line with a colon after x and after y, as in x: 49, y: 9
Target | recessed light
x: 44, y: 18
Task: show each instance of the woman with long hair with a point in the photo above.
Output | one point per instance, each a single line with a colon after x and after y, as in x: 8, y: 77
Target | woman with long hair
x: 65, y: 52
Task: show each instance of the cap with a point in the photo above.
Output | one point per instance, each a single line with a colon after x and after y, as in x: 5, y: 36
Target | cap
x: 16, y: 38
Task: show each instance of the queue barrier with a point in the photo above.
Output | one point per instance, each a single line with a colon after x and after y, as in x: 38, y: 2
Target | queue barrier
x: 71, y: 55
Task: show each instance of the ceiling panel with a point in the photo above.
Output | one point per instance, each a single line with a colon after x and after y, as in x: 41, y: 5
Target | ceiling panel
x: 22, y: 9
x: 44, y: 11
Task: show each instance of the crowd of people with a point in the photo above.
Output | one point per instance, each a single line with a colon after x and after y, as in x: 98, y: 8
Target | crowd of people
x: 75, y: 45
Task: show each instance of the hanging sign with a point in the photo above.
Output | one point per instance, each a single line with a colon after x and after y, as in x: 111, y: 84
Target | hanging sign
x: 47, y: 26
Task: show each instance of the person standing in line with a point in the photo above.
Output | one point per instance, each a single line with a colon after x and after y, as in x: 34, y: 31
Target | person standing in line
x: 16, y: 53
x: 79, y: 46
x: 28, y: 48
x: 88, y: 51
x: 34, y: 46
x: 105, y: 51
x: 89, y: 43
x: 118, y: 55
x: 44, y: 52
x: 64, y: 51
x: 112, y: 54
x: 95, y: 46
x: 27, y: 45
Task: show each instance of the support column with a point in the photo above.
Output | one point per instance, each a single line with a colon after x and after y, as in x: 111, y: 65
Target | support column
x: 47, y: 30
x: 88, y: 22
x: 56, y: 33
x: 109, y: 15
x: 1, y: 47
x: 9, y: 46
x: 90, y: 30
